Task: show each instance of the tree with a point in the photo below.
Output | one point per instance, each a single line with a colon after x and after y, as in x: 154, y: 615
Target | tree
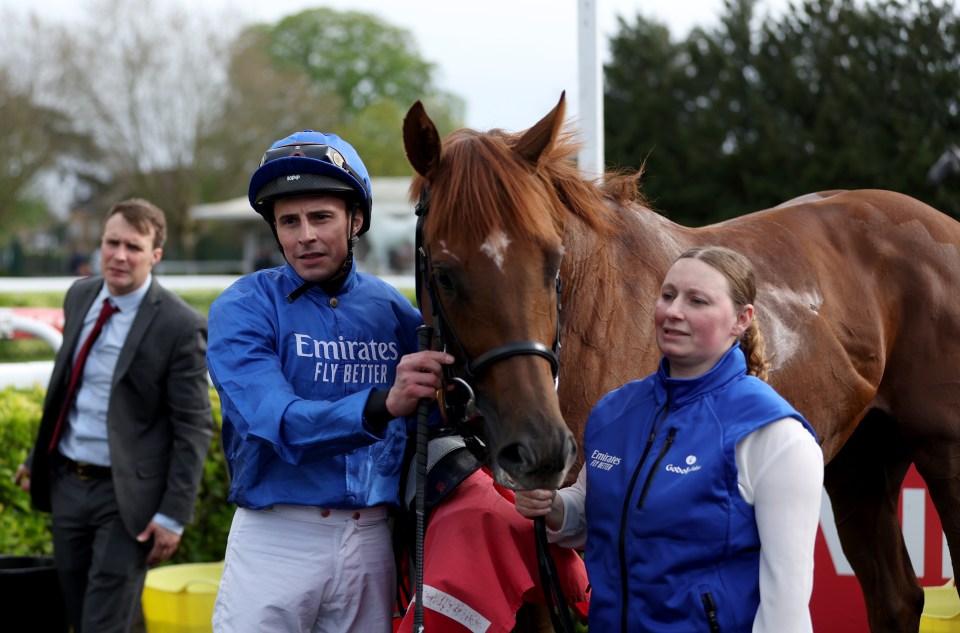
x: 374, y: 70
x: 175, y: 105
x: 27, y: 144
x: 836, y: 94
x: 144, y: 81
x: 877, y: 85
x: 354, y: 55
x: 262, y: 102
x: 35, y: 135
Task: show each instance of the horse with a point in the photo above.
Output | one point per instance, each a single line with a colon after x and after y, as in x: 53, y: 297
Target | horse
x: 946, y: 166
x: 547, y: 279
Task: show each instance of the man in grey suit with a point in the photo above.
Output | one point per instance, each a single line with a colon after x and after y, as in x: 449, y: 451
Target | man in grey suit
x: 123, y: 438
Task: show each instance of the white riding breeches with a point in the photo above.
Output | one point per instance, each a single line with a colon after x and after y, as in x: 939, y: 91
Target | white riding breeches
x: 299, y: 569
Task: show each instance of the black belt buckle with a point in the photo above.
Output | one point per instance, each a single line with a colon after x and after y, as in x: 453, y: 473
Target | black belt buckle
x: 87, y: 472
x: 83, y: 471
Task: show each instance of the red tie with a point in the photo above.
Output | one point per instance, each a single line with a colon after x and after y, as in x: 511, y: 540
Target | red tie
x: 105, y: 313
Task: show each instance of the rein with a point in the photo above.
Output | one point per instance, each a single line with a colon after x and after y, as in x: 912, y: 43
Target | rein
x: 461, y: 410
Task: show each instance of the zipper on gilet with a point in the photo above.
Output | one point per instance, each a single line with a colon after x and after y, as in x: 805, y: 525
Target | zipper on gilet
x: 622, y: 541
x: 710, y: 608
x: 671, y: 434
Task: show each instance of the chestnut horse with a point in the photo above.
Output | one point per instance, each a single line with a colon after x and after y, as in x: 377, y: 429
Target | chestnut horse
x: 858, y: 299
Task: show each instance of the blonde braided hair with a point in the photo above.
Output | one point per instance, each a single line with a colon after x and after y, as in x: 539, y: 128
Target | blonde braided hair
x: 743, y: 290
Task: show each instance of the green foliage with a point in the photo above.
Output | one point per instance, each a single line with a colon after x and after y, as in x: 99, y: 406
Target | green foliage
x: 262, y: 103
x: 25, y: 213
x: 834, y: 94
x: 23, y: 531
x: 356, y: 56
x: 195, y: 99
x: 26, y: 532
x: 373, y: 132
x: 31, y: 299
x: 199, y: 299
x: 24, y: 350
x: 205, y: 539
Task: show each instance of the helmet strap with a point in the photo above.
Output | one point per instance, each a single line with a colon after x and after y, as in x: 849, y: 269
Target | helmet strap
x: 273, y: 228
x: 351, y: 236
x: 331, y: 285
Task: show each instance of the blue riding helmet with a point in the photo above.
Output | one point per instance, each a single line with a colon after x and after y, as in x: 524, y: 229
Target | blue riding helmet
x: 307, y: 163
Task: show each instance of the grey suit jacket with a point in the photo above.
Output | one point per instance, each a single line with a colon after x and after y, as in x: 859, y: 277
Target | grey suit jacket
x: 159, y: 421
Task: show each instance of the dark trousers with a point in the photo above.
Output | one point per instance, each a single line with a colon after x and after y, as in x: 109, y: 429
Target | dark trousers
x: 101, y: 567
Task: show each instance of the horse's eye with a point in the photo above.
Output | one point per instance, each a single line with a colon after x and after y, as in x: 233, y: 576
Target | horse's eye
x: 444, y: 281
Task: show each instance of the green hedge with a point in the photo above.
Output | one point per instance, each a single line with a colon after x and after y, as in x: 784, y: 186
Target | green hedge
x: 23, y: 531
x: 26, y: 532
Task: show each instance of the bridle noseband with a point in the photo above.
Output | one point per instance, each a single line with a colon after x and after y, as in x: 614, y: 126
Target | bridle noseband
x: 460, y: 408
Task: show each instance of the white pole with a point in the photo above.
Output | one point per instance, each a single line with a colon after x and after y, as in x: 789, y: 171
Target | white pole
x: 591, y: 88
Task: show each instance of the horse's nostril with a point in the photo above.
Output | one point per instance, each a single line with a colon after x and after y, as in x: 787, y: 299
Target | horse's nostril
x: 514, y: 457
x: 522, y: 460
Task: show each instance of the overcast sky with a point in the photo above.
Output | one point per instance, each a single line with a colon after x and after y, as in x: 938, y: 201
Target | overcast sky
x: 508, y: 59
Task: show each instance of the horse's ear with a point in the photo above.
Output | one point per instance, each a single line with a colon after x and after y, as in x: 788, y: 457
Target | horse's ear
x: 421, y: 141
x: 539, y: 139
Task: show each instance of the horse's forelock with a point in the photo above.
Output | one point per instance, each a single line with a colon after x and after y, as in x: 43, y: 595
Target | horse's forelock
x: 480, y: 179
x: 478, y: 186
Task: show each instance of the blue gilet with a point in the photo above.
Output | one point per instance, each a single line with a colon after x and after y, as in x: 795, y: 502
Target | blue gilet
x: 671, y: 544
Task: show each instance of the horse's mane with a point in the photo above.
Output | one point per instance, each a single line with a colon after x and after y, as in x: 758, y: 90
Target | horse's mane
x: 479, y: 179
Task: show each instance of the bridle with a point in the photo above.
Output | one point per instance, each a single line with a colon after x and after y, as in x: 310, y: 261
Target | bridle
x: 459, y: 408
x: 458, y: 405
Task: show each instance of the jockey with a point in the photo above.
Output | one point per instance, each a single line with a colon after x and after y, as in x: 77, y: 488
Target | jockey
x: 317, y: 369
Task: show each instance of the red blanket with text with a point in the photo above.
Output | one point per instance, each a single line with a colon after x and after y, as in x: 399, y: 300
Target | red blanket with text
x: 480, y: 563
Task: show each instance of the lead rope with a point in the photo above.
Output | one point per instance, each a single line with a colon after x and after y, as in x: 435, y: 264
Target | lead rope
x: 425, y: 340
x: 550, y: 579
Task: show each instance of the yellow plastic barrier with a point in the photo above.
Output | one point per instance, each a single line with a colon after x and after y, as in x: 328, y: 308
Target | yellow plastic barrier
x: 179, y: 598
x: 941, y: 610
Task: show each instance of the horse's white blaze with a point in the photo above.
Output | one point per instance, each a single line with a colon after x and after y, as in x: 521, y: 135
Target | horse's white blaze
x: 495, y: 247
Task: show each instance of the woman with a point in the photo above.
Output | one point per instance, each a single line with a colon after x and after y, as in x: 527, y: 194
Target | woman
x: 699, y: 498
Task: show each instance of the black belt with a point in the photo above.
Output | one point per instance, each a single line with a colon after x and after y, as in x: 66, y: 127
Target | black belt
x: 83, y: 470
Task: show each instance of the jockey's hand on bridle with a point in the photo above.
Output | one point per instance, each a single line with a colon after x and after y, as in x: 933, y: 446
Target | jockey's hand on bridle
x: 418, y: 376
